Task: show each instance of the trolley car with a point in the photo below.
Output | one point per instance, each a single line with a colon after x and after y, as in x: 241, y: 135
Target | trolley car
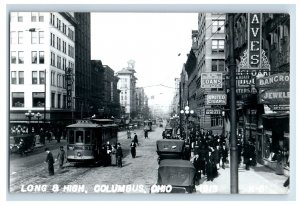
x: 86, y: 139
x: 148, y: 125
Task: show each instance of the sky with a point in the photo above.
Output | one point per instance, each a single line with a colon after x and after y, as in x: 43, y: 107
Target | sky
x: 153, y: 40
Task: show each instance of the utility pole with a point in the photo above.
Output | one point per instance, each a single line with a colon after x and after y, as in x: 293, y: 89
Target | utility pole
x: 180, y: 106
x: 233, y: 139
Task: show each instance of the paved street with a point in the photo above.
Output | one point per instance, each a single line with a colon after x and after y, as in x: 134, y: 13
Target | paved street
x: 140, y: 173
x: 141, y: 170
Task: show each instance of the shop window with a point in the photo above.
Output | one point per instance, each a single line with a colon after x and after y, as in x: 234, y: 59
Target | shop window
x: 17, y: 99
x: 38, y: 99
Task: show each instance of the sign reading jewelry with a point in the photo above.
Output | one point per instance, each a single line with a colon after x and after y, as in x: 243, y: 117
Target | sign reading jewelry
x: 211, y: 80
x: 216, y: 99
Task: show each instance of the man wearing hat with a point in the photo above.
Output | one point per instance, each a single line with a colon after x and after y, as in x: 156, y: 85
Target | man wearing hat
x: 50, y: 161
x: 61, y: 156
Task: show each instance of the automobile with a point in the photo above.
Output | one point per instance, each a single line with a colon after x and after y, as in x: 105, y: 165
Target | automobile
x: 168, y: 133
x: 178, y: 173
x: 169, y: 149
x: 22, y: 143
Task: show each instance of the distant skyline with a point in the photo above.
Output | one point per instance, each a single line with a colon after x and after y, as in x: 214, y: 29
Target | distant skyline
x: 157, y: 42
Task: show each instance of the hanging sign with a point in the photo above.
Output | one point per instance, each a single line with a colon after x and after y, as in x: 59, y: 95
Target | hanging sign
x: 254, y: 41
x: 278, y: 80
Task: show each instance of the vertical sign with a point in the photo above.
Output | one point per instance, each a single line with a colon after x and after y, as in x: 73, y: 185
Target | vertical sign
x: 254, y: 41
x: 69, y: 88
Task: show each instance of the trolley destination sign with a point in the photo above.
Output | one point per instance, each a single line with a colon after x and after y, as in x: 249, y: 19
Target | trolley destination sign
x: 216, y: 99
x: 211, y: 80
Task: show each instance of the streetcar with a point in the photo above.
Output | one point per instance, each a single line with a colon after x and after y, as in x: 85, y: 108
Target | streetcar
x: 148, y: 125
x: 86, y: 140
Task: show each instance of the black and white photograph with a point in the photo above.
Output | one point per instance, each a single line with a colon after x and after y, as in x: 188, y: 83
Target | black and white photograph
x: 149, y: 103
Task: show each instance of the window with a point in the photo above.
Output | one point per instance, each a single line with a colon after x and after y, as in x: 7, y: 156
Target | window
x: 33, y: 57
x: 71, y: 137
x: 52, y: 59
x: 58, y: 80
x: 53, y: 100
x: 41, y: 37
x: 13, y: 57
x: 13, y: 77
x: 17, y: 99
x: 59, y: 62
x: 38, y: 99
x: 20, y: 37
x: 42, y: 77
x: 34, y: 37
x: 52, y: 78
x: 217, y: 65
x: 21, y: 57
x: 218, y: 26
x: 58, y: 100
x: 34, y: 77
x: 64, y: 64
x: 218, y: 46
x: 41, y: 57
x: 64, y: 101
x: 87, y: 139
x: 13, y: 37
x: 216, y: 121
x: 41, y: 17
x: 34, y: 16
x: 63, y: 81
x: 20, y: 17
x: 21, y: 77
x: 79, y: 137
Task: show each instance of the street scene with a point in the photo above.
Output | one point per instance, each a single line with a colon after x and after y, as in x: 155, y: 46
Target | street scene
x: 200, y: 107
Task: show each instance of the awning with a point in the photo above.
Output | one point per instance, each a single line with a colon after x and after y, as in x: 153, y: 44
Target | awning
x: 276, y: 115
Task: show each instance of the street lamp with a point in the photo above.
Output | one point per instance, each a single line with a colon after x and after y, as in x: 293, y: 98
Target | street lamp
x: 29, y: 114
x: 38, y: 116
x: 187, y: 113
x: 223, y: 115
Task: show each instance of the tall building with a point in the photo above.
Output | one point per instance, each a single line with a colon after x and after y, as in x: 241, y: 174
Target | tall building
x: 205, y: 72
x: 83, y: 64
x: 262, y: 54
x: 127, y: 85
x: 42, y: 49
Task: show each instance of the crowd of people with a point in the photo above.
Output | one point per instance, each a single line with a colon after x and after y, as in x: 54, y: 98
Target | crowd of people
x: 209, y: 152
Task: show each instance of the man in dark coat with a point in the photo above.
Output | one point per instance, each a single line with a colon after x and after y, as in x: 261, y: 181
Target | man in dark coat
x: 197, y: 166
x: 249, y: 154
x: 119, y: 155
x: 224, y: 155
x: 133, y: 149
x: 50, y: 161
x: 135, y: 139
x: 210, y: 164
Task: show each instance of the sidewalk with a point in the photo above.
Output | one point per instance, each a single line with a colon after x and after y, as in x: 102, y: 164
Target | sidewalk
x: 258, y: 180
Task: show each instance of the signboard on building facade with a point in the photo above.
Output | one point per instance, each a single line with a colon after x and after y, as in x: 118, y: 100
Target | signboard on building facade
x: 278, y: 96
x: 278, y: 80
x: 279, y: 108
x: 69, y: 82
x: 216, y: 99
x: 213, y: 111
x: 254, y: 61
x: 211, y: 80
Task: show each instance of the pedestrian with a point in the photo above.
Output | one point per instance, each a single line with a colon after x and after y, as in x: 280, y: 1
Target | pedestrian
x: 50, y: 161
x: 135, y: 139
x: 197, y: 165
x: 119, y: 155
x: 61, y: 157
x: 210, y: 166
x: 108, y: 149
x: 224, y: 155
x: 48, y: 136
x: 133, y: 149
x: 113, y: 155
x: 21, y: 147
x: 128, y: 134
x: 146, y: 134
x: 249, y: 152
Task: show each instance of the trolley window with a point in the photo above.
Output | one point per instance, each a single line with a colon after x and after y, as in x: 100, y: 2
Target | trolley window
x: 71, y: 136
x: 87, y: 137
x: 79, y: 137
